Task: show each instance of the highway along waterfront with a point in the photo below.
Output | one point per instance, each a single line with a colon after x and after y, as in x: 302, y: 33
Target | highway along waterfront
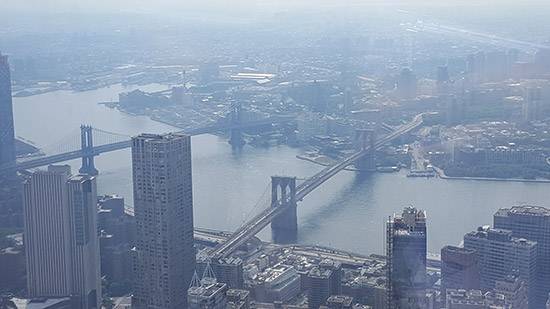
x: 346, y: 212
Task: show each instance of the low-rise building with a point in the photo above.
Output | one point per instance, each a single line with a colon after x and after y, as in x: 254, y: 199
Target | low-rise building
x: 278, y: 283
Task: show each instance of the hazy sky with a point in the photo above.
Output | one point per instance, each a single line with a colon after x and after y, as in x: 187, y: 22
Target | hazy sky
x: 96, y: 6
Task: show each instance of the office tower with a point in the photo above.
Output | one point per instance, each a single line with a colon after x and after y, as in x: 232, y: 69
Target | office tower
x: 336, y: 276
x: 513, y: 289
x: 116, y: 240
x: 61, y: 241
x: 229, y: 271
x: 532, y: 223
x: 499, y: 255
x: 458, y: 269
x: 163, y: 205
x: 7, y: 137
x: 406, y: 258
x: 319, y: 287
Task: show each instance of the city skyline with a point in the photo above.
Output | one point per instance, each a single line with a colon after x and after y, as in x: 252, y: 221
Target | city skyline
x: 321, y: 119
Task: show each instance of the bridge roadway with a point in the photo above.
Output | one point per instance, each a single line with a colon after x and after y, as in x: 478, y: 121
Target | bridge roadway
x: 259, y: 222
x: 97, y: 150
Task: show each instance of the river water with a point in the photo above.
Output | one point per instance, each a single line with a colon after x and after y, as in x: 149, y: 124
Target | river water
x: 346, y: 212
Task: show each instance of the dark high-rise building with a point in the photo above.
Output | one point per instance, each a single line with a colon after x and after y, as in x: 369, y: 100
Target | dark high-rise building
x: 61, y: 241
x: 319, y: 287
x: 229, y: 271
x: 458, y: 269
x: 324, y: 280
x: 406, y: 255
x: 163, y: 205
x: 335, y: 277
x: 116, y: 238
x: 7, y: 136
x: 532, y: 223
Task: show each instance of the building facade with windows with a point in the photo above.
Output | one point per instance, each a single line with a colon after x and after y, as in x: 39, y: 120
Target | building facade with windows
x: 164, y: 255
x: 61, y: 237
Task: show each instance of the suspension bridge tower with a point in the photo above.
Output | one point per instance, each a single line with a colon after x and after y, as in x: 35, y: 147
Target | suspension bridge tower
x: 365, y: 138
x: 87, y: 146
x: 284, y: 228
x: 236, y: 139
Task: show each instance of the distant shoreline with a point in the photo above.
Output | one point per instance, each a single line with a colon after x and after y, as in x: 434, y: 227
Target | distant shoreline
x: 442, y: 175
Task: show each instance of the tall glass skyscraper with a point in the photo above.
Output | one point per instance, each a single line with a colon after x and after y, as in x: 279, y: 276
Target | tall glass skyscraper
x: 61, y: 237
x: 7, y: 137
x: 163, y: 206
x: 406, y: 254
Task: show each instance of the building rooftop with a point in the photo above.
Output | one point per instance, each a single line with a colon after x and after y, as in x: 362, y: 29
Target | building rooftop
x: 499, y: 235
x: 340, y: 299
x: 275, y: 273
x: 318, y: 273
x: 161, y: 137
x: 328, y: 263
x: 458, y: 249
x: 230, y: 260
x: 40, y: 302
x: 206, y: 290
x: 527, y: 210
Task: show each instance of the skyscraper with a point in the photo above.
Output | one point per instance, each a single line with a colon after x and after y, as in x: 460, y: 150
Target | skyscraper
x: 458, y: 269
x: 319, y: 287
x: 164, y: 256
x: 500, y: 255
x: 61, y: 241
x: 7, y: 137
x: 406, y: 254
x: 532, y: 223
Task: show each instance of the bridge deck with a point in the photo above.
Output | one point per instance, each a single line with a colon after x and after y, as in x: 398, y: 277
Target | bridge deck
x: 263, y: 219
x: 97, y: 150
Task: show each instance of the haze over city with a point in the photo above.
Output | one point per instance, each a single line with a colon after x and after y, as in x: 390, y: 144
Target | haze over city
x: 275, y: 154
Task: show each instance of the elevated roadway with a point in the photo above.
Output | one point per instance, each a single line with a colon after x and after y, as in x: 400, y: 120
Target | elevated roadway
x: 263, y: 219
x: 99, y: 149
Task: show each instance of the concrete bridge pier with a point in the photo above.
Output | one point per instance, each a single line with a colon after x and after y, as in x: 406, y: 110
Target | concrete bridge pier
x: 87, y: 151
x: 365, y: 138
x: 284, y: 228
x: 236, y: 139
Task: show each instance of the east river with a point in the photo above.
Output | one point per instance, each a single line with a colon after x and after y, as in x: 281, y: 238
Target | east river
x: 347, y: 212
